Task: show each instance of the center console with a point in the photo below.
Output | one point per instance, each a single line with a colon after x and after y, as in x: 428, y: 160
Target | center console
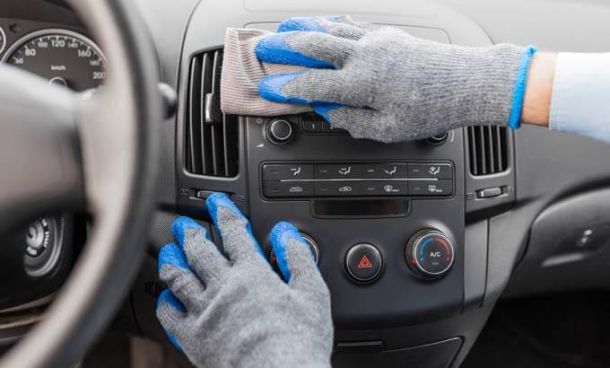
x: 388, y: 219
x: 398, y: 230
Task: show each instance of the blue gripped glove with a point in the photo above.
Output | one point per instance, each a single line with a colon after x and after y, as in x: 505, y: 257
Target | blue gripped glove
x: 378, y: 82
x: 235, y: 311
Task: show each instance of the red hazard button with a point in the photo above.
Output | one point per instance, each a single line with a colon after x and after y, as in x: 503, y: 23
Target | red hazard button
x: 363, y: 262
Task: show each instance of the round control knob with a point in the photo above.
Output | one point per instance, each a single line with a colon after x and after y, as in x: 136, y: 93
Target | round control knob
x: 313, y: 246
x: 438, y: 139
x: 429, y: 254
x: 279, y: 131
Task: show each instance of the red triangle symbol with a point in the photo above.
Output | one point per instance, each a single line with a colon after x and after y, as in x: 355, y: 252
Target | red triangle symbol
x: 364, y: 263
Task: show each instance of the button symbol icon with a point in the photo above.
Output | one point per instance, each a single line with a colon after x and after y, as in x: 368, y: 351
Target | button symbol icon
x: 345, y: 189
x: 434, y: 170
x: 364, y: 263
x: 432, y: 188
x: 390, y: 189
x: 345, y: 170
x: 295, y: 170
x: 295, y: 189
x: 392, y: 171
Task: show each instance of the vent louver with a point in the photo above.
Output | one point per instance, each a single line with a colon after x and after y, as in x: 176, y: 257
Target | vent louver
x: 488, y: 149
x: 211, y: 136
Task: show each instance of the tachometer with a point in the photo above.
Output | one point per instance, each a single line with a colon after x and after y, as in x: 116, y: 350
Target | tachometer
x: 63, y: 57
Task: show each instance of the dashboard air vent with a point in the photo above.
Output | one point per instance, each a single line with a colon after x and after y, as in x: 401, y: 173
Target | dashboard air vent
x: 488, y: 149
x: 211, y: 136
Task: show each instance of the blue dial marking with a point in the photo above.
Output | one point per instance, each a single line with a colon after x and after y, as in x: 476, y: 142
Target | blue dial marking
x: 423, y: 247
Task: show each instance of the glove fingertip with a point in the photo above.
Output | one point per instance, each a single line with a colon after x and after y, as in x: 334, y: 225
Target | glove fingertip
x: 281, y: 233
x: 217, y: 200
x: 172, y: 254
x: 275, y: 49
x: 184, y: 223
x: 270, y: 88
x: 324, y: 110
x: 281, y: 229
x: 174, y: 341
x: 231, y: 212
x: 167, y: 298
x: 338, y: 18
x: 307, y: 24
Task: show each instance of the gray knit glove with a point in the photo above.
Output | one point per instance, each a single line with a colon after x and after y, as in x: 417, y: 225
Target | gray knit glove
x: 381, y: 83
x: 235, y: 311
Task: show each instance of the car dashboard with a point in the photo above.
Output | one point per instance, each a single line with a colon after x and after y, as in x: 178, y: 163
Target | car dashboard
x: 418, y: 240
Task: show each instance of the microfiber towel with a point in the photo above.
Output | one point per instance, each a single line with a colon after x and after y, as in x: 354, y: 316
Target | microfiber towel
x: 242, y: 72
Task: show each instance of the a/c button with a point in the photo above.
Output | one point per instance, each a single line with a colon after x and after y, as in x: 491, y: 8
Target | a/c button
x: 279, y: 189
x: 363, y: 262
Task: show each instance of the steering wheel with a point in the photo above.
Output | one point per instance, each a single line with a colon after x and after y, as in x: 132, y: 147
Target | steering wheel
x: 62, y: 151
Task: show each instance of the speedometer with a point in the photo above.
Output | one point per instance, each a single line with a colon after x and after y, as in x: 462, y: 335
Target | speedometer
x: 63, y: 57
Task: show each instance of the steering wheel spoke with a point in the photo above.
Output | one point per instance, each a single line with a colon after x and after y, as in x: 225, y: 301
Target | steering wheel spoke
x: 40, y: 164
x: 106, y: 146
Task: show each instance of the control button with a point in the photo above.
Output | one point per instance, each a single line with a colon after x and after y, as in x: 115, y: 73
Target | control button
x: 337, y: 188
x: 431, y: 188
x: 277, y: 189
x: 363, y: 262
x: 203, y: 194
x: 371, y: 171
x: 343, y: 171
x: 430, y: 171
x: 287, y: 171
x: 383, y: 171
x: 438, y: 139
x: 313, y: 247
x: 309, y: 125
x: 429, y: 253
x: 313, y: 124
x: 327, y: 128
x: 380, y: 187
x: 489, y: 192
x: 279, y: 131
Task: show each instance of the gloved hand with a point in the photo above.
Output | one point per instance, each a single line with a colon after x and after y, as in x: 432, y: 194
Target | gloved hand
x: 235, y: 311
x: 380, y: 83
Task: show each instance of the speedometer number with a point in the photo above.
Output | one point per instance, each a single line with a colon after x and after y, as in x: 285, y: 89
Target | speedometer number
x: 63, y: 57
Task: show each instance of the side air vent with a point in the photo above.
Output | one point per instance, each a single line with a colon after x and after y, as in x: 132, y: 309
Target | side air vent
x: 211, y: 137
x: 488, y: 149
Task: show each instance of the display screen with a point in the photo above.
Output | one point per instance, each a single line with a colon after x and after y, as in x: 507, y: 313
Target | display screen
x: 361, y: 208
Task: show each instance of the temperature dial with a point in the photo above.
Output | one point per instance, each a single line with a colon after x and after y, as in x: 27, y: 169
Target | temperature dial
x: 429, y: 254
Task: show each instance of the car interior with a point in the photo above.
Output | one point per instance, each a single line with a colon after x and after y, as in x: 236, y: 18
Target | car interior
x: 478, y: 247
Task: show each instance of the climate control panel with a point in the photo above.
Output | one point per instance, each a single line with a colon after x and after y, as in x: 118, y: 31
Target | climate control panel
x: 349, y: 179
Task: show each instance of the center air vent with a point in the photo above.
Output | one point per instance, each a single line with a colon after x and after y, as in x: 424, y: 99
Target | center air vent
x: 488, y: 149
x: 211, y: 137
